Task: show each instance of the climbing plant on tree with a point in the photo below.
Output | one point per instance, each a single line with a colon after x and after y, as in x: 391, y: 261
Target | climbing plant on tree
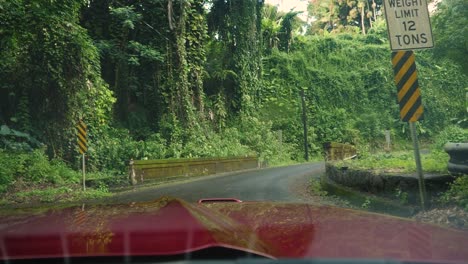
x: 153, y: 53
x: 235, y: 27
x: 286, y: 30
x: 50, y: 72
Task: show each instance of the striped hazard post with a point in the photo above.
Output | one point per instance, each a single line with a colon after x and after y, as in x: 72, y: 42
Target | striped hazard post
x: 411, y: 108
x: 82, y: 146
x: 82, y: 143
x: 406, y: 80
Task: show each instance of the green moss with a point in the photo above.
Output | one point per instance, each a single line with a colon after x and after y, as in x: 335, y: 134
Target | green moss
x: 368, y: 202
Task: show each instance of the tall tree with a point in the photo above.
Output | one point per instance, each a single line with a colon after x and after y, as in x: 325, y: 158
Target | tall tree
x: 153, y: 53
x: 49, y: 72
x: 286, y: 30
x: 271, y: 25
x: 235, y: 26
x: 344, y: 15
x: 450, y: 31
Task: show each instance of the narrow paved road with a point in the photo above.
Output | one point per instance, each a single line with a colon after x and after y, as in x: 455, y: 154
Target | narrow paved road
x: 273, y: 184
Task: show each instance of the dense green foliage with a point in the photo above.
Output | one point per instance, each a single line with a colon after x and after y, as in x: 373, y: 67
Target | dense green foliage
x: 234, y: 66
x: 34, y: 167
x: 451, y: 133
x: 49, y: 72
x: 400, y: 162
x: 458, y: 193
x: 350, y: 91
x: 192, y: 78
x: 451, y: 33
x: 345, y: 16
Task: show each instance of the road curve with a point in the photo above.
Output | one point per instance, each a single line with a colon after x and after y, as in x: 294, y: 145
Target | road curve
x: 286, y: 184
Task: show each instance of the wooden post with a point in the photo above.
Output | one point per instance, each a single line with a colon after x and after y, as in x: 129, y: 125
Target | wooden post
x: 132, y: 175
x: 84, y: 172
x: 304, y: 122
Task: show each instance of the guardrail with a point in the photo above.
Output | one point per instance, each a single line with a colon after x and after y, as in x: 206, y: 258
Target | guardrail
x: 339, y: 151
x: 458, y: 162
x: 153, y: 169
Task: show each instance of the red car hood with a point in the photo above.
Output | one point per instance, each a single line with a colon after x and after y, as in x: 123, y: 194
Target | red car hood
x: 277, y: 230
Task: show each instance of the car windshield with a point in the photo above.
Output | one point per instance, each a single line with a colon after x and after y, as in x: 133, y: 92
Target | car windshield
x: 320, y: 114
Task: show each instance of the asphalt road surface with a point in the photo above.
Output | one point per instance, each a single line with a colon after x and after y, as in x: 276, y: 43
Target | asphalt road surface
x: 286, y: 184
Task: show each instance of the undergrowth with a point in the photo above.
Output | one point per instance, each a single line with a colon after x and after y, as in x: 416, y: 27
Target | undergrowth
x: 59, y: 194
x: 399, y: 162
x: 457, y: 193
x: 30, y: 177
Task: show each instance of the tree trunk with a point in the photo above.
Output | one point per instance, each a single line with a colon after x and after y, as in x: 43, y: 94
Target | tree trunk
x: 363, y: 19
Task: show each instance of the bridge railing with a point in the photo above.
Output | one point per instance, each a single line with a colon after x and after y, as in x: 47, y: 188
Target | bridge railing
x: 339, y: 151
x: 153, y: 169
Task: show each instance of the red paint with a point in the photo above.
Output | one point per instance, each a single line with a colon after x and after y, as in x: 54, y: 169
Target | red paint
x: 170, y: 226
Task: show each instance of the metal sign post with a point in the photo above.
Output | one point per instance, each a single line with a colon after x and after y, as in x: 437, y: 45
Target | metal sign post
x: 409, y: 28
x: 411, y: 108
x: 417, y: 158
x: 82, y: 147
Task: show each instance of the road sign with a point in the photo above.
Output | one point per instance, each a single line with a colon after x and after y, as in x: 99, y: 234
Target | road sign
x: 82, y: 143
x: 408, y: 24
x: 406, y: 80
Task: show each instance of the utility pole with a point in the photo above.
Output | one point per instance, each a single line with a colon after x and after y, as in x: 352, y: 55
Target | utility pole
x: 304, y: 122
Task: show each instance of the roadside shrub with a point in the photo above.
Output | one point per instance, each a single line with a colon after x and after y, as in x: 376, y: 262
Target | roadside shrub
x: 402, y: 161
x: 458, y: 193
x: 451, y: 133
x: 257, y: 135
x: 116, y: 147
x: 250, y: 136
x: 39, y: 170
x: 210, y: 144
x: 229, y: 144
x: 370, y: 126
x: 316, y: 187
x: 33, y: 167
x: 154, y: 147
x: 63, y: 173
x: 107, y: 178
x: 11, y: 165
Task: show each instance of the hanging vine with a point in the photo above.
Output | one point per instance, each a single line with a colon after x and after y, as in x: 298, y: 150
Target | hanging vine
x: 196, y: 40
x: 237, y: 25
x: 188, y: 39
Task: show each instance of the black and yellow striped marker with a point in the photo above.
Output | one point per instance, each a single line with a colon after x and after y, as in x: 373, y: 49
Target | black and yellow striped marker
x: 406, y: 80
x: 82, y: 143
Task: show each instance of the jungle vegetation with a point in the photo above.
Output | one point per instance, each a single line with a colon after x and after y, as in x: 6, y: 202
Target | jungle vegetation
x: 208, y: 78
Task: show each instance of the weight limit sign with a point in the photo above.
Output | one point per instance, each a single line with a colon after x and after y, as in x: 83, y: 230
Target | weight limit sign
x: 408, y: 24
